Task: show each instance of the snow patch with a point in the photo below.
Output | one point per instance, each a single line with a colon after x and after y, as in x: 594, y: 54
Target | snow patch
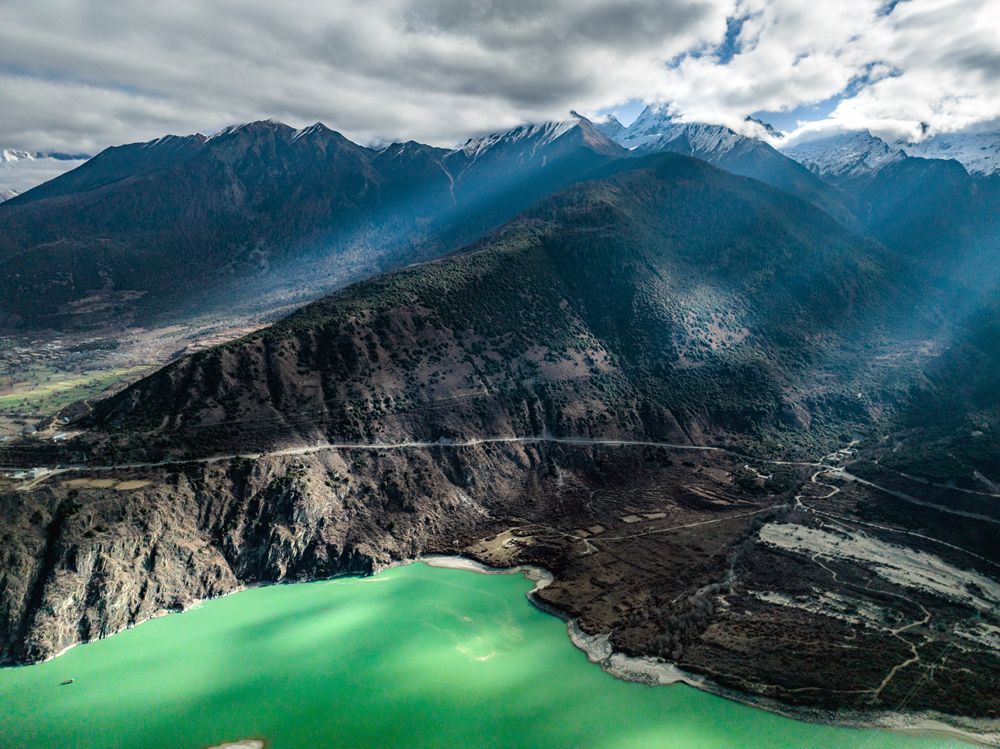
x: 981, y: 633
x: 979, y: 153
x: 828, y: 603
x: 845, y: 155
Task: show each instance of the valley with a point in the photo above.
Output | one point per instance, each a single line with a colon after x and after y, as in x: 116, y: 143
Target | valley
x: 750, y: 443
x: 48, y: 376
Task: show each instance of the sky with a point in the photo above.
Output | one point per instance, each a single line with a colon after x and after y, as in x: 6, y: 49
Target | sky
x: 80, y: 75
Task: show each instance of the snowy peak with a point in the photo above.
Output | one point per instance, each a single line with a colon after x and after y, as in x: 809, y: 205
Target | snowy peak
x: 979, y: 153
x: 254, y: 128
x: 537, y: 134
x: 651, y: 124
x: 9, y: 156
x: 537, y: 138
x: 20, y: 170
x: 845, y: 155
x: 767, y: 127
x: 656, y: 127
x: 609, y: 125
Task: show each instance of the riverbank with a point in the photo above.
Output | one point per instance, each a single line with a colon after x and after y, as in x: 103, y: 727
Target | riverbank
x: 656, y: 672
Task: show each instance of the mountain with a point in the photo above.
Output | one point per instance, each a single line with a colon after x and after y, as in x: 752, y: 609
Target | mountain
x: 609, y: 125
x: 499, y: 174
x: 641, y: 384
x: 931, y: 210
x: 767, y: 127
x: 845, y: 156
x: 22, y: 170
x: 671, y: 298
x: 655, y: 130
x: 978, y: 152
x: 261, y: 214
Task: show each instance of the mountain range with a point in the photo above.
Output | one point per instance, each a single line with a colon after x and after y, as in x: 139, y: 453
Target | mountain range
x: 746, y: 439
x: 264, y: 215
x: 22, y: 170
x: 261, y: 210
x: 977, y: 151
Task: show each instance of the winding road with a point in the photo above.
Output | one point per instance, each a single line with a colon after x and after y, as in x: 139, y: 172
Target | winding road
x: 404, y: 445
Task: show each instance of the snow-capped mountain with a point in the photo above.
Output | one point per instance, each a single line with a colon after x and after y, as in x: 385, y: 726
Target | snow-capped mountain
x: 22, y: 170
x: 609, y: 125
x: 979, y: 153
x: 534, y: 138
x: 767, y: 127
x: 655, y: 127
x: 657, y: 130
x: 845, y: 155
x: 538, y: 135
x: 9, y: 156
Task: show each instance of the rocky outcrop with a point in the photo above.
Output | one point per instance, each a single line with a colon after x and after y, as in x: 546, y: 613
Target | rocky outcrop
x: 82, y: 562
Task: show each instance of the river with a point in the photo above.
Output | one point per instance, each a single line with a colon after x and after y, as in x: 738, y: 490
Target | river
x: 416, y: 656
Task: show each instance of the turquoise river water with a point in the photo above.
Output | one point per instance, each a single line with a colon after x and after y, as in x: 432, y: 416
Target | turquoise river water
x: 414, y: 657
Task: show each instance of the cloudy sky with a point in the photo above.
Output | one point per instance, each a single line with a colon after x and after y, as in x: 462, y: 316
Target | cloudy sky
x: 79, y: 75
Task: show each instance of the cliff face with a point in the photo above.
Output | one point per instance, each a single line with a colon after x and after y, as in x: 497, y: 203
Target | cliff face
x: 82, y: 562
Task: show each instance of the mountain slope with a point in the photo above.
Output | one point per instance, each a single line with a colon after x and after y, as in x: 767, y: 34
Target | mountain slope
x: 655, y: 130
x: 261, y: 211
x: 845, y: 156
x: 930, y: 210
x: 668, y: 299
x: 978, y: 152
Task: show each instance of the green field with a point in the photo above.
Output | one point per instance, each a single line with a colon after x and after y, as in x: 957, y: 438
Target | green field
x: 43, y: 392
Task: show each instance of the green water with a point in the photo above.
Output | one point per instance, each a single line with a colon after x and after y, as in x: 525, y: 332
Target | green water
x: 414, y: 657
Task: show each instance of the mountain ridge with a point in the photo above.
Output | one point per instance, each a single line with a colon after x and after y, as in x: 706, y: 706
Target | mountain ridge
x: 255, y: 202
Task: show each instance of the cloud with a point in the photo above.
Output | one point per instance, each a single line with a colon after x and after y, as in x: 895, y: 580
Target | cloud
x: 890, y: 66
x: 22, y: 174
x: 79, y: 75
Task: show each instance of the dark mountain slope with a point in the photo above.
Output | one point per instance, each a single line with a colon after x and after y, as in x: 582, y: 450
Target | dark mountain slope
x: 655, y: 131
x: 930, y: 210
x: 668, y: 299
x: 940, y: 217
x: 261, y: 211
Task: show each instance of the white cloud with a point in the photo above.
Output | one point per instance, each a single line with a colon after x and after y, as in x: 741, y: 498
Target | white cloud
x: 82, y: 74
x: 79, y: 75
x: 928, y: 61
